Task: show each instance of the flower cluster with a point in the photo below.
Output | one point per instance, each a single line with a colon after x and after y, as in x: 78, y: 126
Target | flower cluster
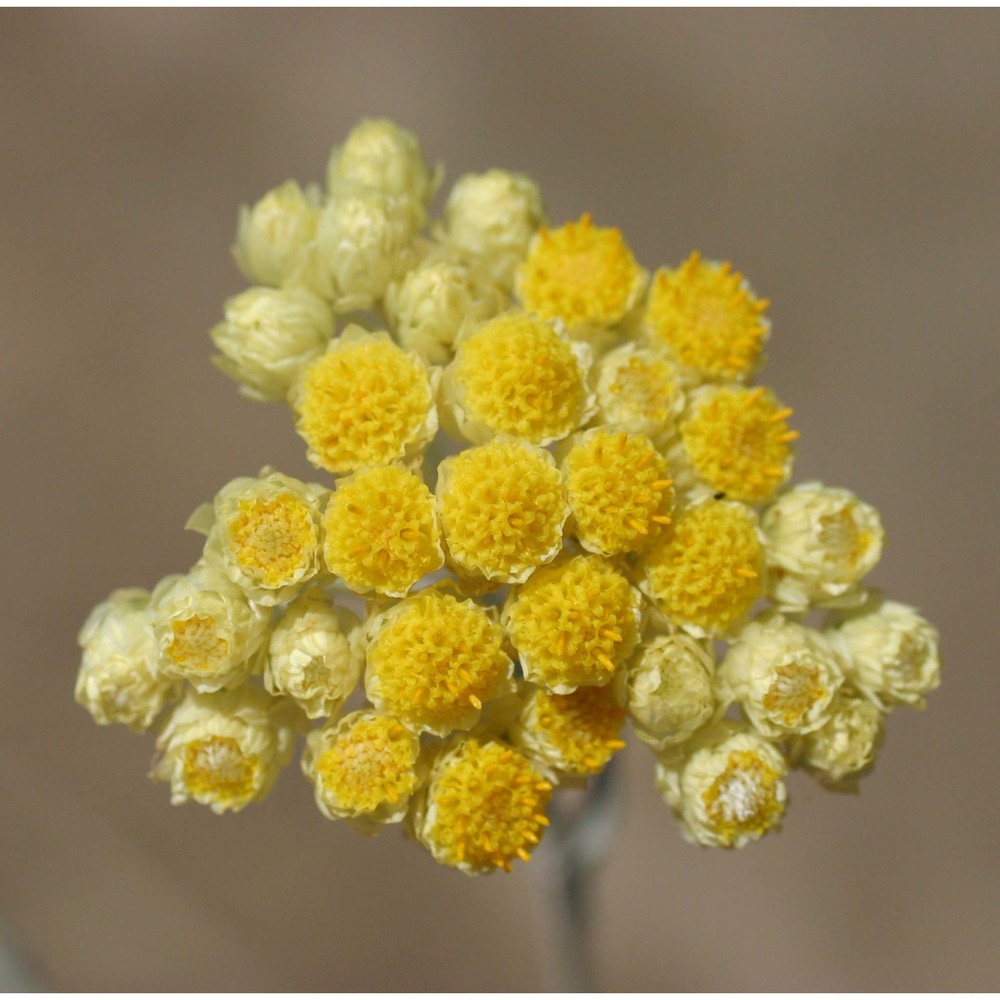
x: 554, y: 501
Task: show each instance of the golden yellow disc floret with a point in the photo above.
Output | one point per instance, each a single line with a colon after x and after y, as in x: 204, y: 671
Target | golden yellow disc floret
x: 737, y: 442
x: 743, y: 802
x: 434, y: 661
x: 364, y: 402
x: 485, y: 807
x: 705, y: 572
x: 580, y: 274
x: 503, y: 507
x: 216, y: 768
x: 708, y: 317
x: 516, y: 375
x: 573, y: 623
x: 273, y: 538
x: 382, y: 531
x: 369, y: 764
x: 574, y: 733
x: 619, y: 490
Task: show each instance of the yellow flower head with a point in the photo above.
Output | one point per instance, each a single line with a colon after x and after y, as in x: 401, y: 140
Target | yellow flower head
x: 434, y: 660
x: 708, y: 317
x: 382, y: 531
x: 736, y: 441
x: 729, y: 790
x: 638, y: 390
x: 363, y: 767
x: 705, y: 573
x: 483, y: 807
x: 516, y: 375
x: 580, y: 274
x: 503, y: 507
x: 365, y: 402
x: 225, y: 750
x: 619, y: 490
x: 266, y: 535
x: 574, y: 734
x: 573, y: 623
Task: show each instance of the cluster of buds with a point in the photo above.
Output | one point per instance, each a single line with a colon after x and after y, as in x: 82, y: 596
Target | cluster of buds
x: 557, y: 501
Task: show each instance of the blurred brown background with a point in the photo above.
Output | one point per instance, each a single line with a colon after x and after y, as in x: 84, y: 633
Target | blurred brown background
x: 846, y: 162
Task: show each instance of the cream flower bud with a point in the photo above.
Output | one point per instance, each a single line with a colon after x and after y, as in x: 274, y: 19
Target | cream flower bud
x: 821, y: 541
x: 364, y: 242
x: 267, y: 535
x: 381, y: 157
x: 489, y: 220
x: 271, y: 235
x: 435, y: 304
x: 268, y: 336
x: 839, y: 751
x: 363, y: 768
x: 316, y: 655
x: 783, y: 674
x: 207, y: 632
x: 119, y: 678
x: 669, y: 689
x: 225, y: 750
x: 891, y: 654
x: 728, y: 790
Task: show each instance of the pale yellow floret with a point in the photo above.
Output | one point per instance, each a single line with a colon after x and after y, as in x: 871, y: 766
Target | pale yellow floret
x: 581, y: 274
x: 743, y: 801
x: 619, y: 489
x: 738, y: 443
x: 216, y: 768
x: 503, y: 507
x: 573, y: 623
x: 382, y: 531
x: 575, y: 734
x: 272, y: 538
x: 484, y: 807
x: 638, y: 390
x: 516, y: 375
x: 196, y: 642
x: 364, y: 402
x: 708, y: 317
x: 363, y: 767
x: 434, y: 660
x: 705, y: 573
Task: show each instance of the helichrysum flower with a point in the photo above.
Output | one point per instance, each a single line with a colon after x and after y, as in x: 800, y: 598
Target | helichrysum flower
x: 705, y: 314
x: 224, y: 750
x: 365, y: 402
x: 207, y: 632
x: 844, y: 746
x: 266, y: 536
x: 573, y: 734
x: 437, y: 302
x: 821, y: 541
x: 735, y: 441
x: 705, y: 572
x: 119, y: 678
x: 503, y: 507
x: 620, y: 491
x: 483, y: 806
x: 727, y: 789
x: 489, y: 220
x: 581, y: 274
x: 382, y: 531
x: 890, y: 654
x: 363, y: 768
x: 268, y: 336
x: 670, y: 689
x: 378, y: 156
x: 316, y: 655
x: 784, y: 675
x: 638, y: 390
x: 517, y: 375
x: 434, y: 660
x: 573, y: 623
x: 273, y: 234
